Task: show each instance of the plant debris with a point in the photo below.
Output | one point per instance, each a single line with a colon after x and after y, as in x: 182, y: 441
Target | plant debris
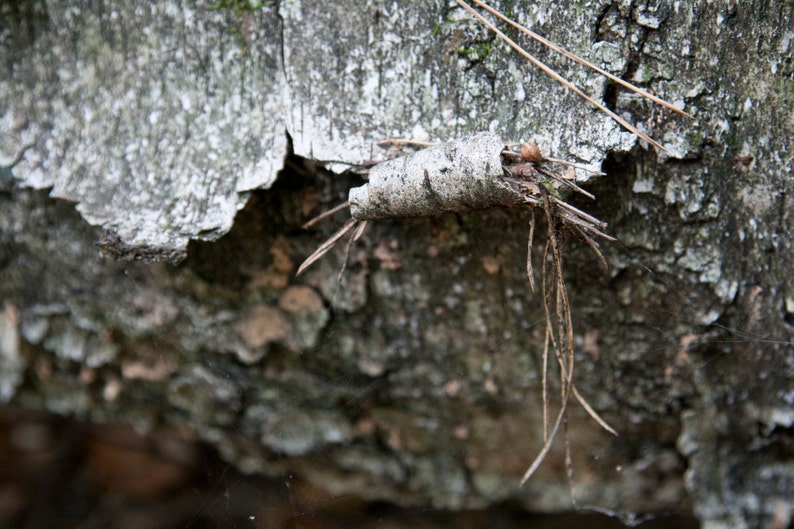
x: 478, y: 172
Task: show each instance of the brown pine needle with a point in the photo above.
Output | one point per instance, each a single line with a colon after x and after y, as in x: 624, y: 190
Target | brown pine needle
x: 580, y: 218
x: 530, y: 272
x: 356, y: 236
x: 359, y: 231
x: 327, y: 245
x: 326, y: 214
x: 567, y: 183
x: 584, y: 62
x: 576, y: 166
x: 592, y: 244
x: 597, y: 418
x: 396, y: 142
x: 546, y: 447
x: 560, y: 79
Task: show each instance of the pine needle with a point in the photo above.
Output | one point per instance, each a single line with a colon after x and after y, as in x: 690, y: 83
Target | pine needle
x: 326, y: 214
x: 530, y: 271
x: 557, y: 77
x: 584, y: 62
x: 397, y: 142
x: 575, y: 166
x: 596, y: 417
x: 327, y: 245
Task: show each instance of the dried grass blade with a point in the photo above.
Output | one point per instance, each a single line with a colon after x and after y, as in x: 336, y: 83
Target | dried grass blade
x: 590, y: 411
x: 546, y: 447
x: 327, y: 245
x: 326, y: 214
x: 567, y: 183
x: 568, y: 461
x: 557, y: 77
x: 584, y: 62
x: 576, y: 166
x: 592, y: 244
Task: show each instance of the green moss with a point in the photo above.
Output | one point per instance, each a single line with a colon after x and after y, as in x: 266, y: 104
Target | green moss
x: 786, y: 90
x: 438, y: 29
x: 509, y: 30
x: 549, y: 185
x: 477, y: 51
x: 697, y: 139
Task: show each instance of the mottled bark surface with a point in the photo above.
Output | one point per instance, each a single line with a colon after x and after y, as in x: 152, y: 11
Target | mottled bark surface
x: 417, y: 378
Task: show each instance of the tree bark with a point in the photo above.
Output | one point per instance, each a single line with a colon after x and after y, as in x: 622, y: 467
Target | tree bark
x: 203, y: 136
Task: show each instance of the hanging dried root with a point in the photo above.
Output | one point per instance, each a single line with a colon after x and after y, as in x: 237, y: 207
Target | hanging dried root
x: 558, y: 338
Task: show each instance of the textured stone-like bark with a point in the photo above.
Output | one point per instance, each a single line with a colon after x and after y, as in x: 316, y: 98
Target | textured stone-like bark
x: 417, y: 379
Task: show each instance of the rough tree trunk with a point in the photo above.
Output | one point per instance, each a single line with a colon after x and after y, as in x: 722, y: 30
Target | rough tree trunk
x: 417, y: 378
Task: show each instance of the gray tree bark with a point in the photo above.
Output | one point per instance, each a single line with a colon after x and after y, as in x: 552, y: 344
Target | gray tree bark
x: 415, y: 379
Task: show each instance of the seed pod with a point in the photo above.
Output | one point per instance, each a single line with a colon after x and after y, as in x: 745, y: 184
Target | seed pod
x: 530, y: 152
x: 460, y: 175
